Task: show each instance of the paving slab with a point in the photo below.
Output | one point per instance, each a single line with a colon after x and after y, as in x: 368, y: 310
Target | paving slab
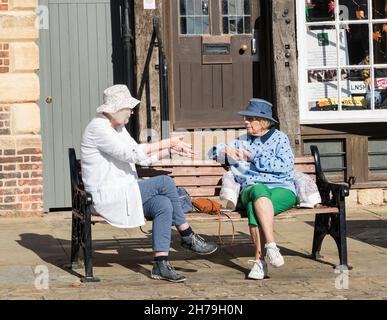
x: 122, y: 259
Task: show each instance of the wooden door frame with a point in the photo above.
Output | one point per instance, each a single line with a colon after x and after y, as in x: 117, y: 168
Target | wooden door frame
x: 168, y: 34
x: 167, y: 21
x: 45, y: 89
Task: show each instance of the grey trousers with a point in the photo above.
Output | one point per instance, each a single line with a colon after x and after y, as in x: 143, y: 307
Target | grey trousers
x: 161, y: 203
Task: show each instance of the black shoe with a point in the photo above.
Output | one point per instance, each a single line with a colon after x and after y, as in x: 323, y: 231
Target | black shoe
x: 197, y: 244
x: 163, y: 270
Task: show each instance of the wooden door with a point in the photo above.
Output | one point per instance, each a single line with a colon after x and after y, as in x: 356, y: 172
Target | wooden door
x: 212, y: 61
x: 76, y: 66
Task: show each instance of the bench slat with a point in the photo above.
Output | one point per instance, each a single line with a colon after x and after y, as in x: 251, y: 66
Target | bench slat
x: 305, y: 168
x: 198, y: 216
x: 185, y: 163
x: 198, y: 181
x: 190, y: 163
x: 203, y: 171
x: 309, y: 160
x: 305, y: 211
x: 181, y: 171
x: 234, y: 215
x: 203, y: 191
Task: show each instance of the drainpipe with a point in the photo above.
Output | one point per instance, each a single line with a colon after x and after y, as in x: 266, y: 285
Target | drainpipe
x: 128, y: 43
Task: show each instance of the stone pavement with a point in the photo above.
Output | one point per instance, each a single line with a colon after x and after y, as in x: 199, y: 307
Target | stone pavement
x: 31, y: 246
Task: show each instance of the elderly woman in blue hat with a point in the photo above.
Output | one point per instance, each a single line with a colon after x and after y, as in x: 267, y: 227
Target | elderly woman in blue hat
x: 109, y: 155
x: 263, y: 164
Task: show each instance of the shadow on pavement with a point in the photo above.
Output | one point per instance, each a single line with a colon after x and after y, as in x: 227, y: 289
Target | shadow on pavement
x: 372, y: 232
x: 129, y: 252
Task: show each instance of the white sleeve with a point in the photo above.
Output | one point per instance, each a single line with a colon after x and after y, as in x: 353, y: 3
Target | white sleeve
x: 153, y: 158
x: 109, y: 142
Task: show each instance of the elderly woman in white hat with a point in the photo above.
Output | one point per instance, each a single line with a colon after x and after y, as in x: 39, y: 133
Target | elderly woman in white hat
x: 109, y: 155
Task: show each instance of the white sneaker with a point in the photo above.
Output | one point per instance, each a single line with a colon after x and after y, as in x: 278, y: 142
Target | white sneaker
x: 259, y: 270
x: 274, y: 255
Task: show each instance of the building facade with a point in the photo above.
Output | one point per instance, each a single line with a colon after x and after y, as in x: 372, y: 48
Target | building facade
x: 21, y: 182
x: 320, y: 62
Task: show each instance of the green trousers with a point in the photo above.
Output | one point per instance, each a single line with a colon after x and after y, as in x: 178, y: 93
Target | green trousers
x: 282, y: 199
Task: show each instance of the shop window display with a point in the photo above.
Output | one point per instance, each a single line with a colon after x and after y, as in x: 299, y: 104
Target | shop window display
x: 346, y: 38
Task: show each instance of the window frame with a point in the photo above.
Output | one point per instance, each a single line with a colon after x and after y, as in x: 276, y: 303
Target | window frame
x: 313, y: 139
x: 243, y: 16
x: 372, y: 176
x: 339, y: 116
x: 186, y: 16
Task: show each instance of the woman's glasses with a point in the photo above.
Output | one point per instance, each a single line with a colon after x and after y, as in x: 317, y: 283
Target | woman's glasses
x: 251, y: 119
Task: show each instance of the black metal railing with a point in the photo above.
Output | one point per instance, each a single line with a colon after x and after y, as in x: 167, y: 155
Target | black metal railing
x: 156, y: 42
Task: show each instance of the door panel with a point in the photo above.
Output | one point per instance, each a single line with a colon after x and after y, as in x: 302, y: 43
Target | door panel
x: 76, y: 66
x: 208, y: 95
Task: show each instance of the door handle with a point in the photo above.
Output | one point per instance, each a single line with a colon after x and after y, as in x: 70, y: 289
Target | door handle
x: 253, y: 46
x: 49, y: 100
x: 243, y: 48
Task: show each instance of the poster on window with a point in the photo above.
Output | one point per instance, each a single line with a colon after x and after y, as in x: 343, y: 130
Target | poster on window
x: 321, y: 44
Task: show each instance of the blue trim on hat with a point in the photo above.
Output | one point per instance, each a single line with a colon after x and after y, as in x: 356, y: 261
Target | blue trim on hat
x: 259, y: 108
x: 254, y: 114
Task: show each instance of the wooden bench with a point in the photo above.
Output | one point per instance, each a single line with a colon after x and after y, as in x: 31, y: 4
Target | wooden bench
x: 203, y: 179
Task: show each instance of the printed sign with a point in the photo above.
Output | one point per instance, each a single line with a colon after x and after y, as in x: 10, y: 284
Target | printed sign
x: 321, y: 47
x: 149, y: 4
x: 381, y: 83
x: 323, y: 39
x: 358, y: 87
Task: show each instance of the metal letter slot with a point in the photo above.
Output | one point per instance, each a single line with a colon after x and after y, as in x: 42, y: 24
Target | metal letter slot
x: 216, y: 48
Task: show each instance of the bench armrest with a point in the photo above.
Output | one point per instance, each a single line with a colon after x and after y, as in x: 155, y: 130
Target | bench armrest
x: 84, y: 195
x: 81, y: 200
x: 340, y: 189
x: 331, y: 193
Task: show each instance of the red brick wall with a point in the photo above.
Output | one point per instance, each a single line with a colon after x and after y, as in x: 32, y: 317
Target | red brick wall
x: 21, y: 180
x: 3, y: 5
x: 4, y: 57
x: 21, y: 176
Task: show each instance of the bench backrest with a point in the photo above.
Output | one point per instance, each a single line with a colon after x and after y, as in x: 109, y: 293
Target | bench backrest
x: 199, y: 178
x: 204, y: 178
x: 75, y: 170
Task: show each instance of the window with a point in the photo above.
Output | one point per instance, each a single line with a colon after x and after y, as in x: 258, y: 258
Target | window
x: 236, y: 17
x: 342, y: 61
x: 194, y: 17
x: 332, y: 153
x: 377, y: 156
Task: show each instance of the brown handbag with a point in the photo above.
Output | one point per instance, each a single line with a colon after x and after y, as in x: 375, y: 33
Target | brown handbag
x: 209, y: 206
x: 206, y: 205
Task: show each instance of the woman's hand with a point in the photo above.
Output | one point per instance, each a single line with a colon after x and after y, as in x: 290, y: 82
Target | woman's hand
x: 237, y: 154
x: 174, y: 141
x: 178, y: 146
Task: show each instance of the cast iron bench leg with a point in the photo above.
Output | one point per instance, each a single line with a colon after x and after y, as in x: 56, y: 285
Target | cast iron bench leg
x: 75, y: 242
x: 341, y: 237
x: 321, y: 229
x: 87, y: 249
x: 334, y: 225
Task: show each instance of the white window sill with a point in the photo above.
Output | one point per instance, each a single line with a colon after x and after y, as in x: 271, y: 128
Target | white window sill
x: 322, y: 117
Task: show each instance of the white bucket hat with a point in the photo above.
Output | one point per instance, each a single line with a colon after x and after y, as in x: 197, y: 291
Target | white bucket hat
x: 116, y: 98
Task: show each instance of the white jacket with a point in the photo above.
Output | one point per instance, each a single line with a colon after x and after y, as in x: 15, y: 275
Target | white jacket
x: 108, y: 158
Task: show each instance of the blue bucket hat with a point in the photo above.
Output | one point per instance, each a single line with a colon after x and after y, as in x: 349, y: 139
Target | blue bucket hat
x: 259, y: 108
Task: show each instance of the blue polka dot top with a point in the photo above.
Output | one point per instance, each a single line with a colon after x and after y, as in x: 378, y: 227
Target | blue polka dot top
x: 271, y: 161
